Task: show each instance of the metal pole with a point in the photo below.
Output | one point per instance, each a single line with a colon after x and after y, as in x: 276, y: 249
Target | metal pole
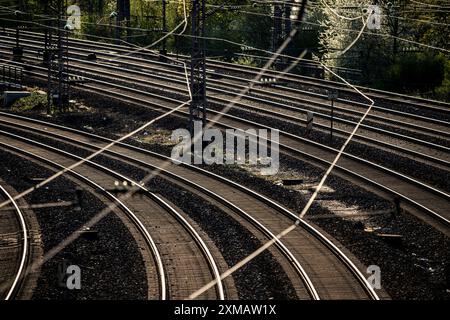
x: 100, y: 7
x: 332, y: 95
x: 203, y: 45
x: 117, y: 29
x: 110, y: 26
x: 332, y: 116
x: 119, y: 10
x: 48, y: 54
x: 127, y: 15
x: 91, y: 8
x: 287, y: 27
x: 49, y: 80
x: 176, y: 44
x: 60, y: 57
x: 164, y: 26
x: 197, y: 108
x: 18, y: 16
x: 276, y: 28
x: 17, y: 33
x: 67, y: 76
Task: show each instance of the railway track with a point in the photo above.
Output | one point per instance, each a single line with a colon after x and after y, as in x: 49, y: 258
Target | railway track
x: 400, y: 143
x: 400, y: 99
x: 20, y: 250
x: 378, y: 95
x: 411, y: 190
x: 337, y: 278
x: 419, y: 197
x: 187, y: 260
x: 431, y: 153
x: 129, y: 214
x: 311, y: 100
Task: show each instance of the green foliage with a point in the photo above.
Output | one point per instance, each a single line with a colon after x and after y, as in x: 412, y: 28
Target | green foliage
x: 246, y: 61
x: 405, y: 54
x: 436, y: 31
x: 382, y: 57
x: 443, y: 91
x: 420, y: 73
x: 32, y: 102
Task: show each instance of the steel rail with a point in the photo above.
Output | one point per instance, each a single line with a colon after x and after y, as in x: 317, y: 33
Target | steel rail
x: 133, y: 58
x: 296, y: 264
x: 352, y: 267
x: 408, y: 179
x: 191, y: 230
x: 20, y: 274
x: 284, y: 116
x: 121, y: 205
x: 397, y: 97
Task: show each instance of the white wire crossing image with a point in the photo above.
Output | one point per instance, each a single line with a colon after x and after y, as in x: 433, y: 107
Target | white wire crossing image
x: 256, y: 150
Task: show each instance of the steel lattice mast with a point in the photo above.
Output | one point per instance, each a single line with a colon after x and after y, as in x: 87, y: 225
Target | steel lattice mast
x: 56, y: 58
x: 197, y: 108
x: 277, y: 28
x: 282, y: 25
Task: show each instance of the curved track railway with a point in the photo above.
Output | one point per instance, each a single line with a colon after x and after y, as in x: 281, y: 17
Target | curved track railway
x: 243, y: 74
x: 425, y: 201
x: 286, y: 107
x: 19, y: 250
x: 96, y: 188
x: 320, y: 268
x: 247, y: 71
x: 187, y: 260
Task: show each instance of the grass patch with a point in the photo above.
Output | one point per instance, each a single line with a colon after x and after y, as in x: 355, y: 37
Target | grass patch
x: 35, y: 101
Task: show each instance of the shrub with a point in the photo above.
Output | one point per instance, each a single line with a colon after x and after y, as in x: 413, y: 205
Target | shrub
x: 35, y: 101
x: 421, y: 73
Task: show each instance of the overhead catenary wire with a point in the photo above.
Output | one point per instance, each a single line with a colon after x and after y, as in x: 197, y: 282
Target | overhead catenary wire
x: 377, y: 34
x: 341, y: 16
x: 53, y: 251
x: 266, y: 51
x: 142, y: 48
x: 304, y: 211
x: 342, y: 52
x: 430, y: 4
x: 355, y: 18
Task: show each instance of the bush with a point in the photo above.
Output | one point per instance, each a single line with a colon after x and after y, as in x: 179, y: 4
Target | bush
x: 35, y: 101
x: 246, y: 61
x: 422, y: 73
x: 443, y: 91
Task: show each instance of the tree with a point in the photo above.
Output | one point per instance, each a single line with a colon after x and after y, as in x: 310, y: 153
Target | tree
x: 379, y: 53
x: 347, y: 41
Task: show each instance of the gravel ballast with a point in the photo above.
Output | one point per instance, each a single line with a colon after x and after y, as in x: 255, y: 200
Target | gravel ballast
x: 111, y: 266
x: 416, y: 269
